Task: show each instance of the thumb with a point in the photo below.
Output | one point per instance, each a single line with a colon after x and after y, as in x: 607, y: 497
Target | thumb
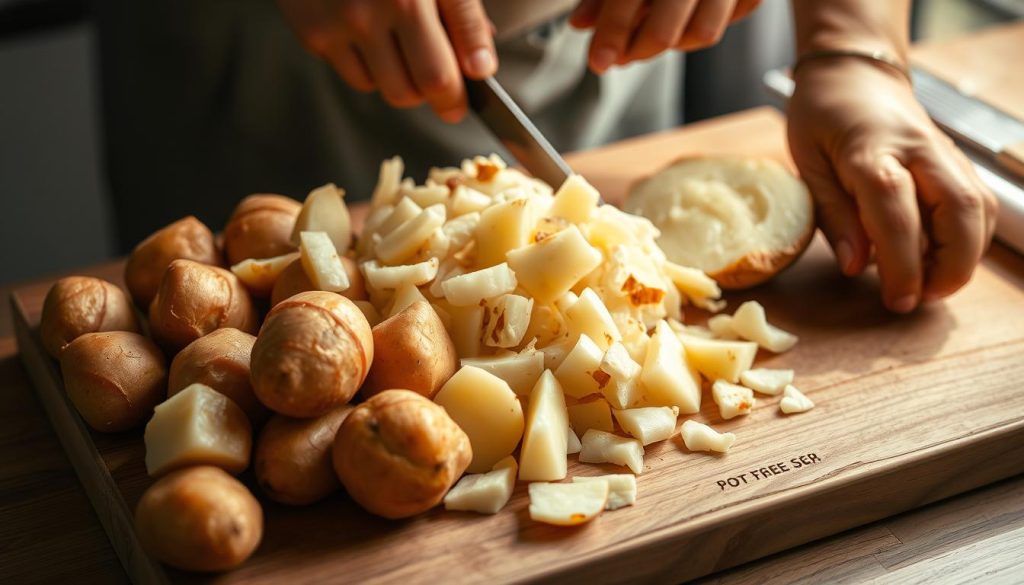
x: 471, y: 36
x: 837, y: 216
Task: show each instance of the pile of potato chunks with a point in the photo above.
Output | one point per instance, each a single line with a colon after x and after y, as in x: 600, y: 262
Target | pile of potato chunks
x: 480, y: 329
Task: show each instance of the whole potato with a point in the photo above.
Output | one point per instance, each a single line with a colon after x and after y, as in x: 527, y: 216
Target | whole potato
x: 220, y: 360
x: 261, y: 227
x: 81, y: 304
x: 114, y: 378
x: 311, y: 355
x: 398, y: 453
x: 186, y: 238
x: 195, y: 299
x: 199, y: 519
x: 294, y: 280
x: 293, y: 457
x: 412, y: 350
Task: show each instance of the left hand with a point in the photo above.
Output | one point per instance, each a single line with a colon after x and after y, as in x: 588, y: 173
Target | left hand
x: 633, y: 30
x: 885, y: 178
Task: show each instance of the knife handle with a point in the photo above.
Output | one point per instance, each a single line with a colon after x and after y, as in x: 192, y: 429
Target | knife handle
x: 1011, y: 158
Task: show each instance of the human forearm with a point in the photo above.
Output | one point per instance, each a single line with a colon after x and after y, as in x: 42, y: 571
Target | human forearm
x: 853, y: 25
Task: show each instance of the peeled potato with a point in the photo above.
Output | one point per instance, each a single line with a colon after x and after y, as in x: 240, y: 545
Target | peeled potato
x: 413, y: 351
x: 741, y: 220
x: 294, y: 280
x: 292, y: 459
x: 199, y: 519
x: 81, y: 304
x: 114, y: 378
x: 398, y: 453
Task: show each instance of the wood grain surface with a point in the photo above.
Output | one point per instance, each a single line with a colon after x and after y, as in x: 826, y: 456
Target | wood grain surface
x: 910, y: 410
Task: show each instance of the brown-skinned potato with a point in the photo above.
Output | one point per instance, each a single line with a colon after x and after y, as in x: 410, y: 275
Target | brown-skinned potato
x: 311, y: 355
x: 199, y: 519
x: 398, y: 453
x: 294, y: 280
x: 186, y: 238
x: 114, y: 378
x: 292, y: 460
x: 220, y: 360
x: 260, y: 227
x: 76, y: 305
x: 412, y: 350
x: 195, y: 299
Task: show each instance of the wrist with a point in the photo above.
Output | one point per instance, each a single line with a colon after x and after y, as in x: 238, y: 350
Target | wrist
x: 876, y: 58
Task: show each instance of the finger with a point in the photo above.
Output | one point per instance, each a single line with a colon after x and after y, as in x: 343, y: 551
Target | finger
x: 612, y: 32
x: 432, y: 61
x: 707, y: 24
x: 955, y: 209
x: 585, y: 14
x: 351, y: 66
x: 743, y: 8
x: 661, y: 29
x: 390, y: 71
x: 885, y: 196
x: 837, y: 216
x: 470, y: 32
x: 991, y: 204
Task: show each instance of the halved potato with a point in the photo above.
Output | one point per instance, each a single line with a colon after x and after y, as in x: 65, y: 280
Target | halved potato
x: 741, y: 220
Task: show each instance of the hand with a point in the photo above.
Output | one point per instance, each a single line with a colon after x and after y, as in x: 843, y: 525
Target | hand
x: 633, y: 30
x: 412, y: 51
x: 884, y: 176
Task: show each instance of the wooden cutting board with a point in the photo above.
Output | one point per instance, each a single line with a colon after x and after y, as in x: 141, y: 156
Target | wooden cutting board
x: 909, y: 410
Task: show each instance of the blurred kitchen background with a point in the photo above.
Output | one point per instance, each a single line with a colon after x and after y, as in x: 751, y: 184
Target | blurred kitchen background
x: 56, y: 213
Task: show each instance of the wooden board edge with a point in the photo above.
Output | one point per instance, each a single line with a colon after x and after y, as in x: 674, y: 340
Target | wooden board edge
x: 76, y: 438
x: 717, y: 543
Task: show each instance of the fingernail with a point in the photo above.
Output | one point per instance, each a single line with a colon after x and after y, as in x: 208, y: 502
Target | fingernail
x: 481, y: 62
x: 604, y: 58
x: 905, y: 304
x: 844, y: 254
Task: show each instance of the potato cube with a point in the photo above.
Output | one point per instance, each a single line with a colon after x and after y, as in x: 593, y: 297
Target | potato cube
x: 556, y: 352
x: 699, y: 288
x: 464, y: 200
x: 546, y: 325
x: 384, y: 277
x: 388, y: 182
x: 485, y: 493
x: 545, y: 441
x: 488, y: 411
x: 579, y: 373
x: 794, y: 401
x: 426, y: 195
x: 507, y: 318
x: 592, y: 414
x: 520, y: 371
x: 719, y: 359
x: 403, y: 211
x: 404, y: 297
x: 321, y: 262
x: 259, y: 274
x: 466, y: 328
x: 573, y: 444
x: 408, y: 237
x: 461, y: 230
x: 503, y: 227
x: 650, y: 424
x: 621, y: 489
x: 621, y: 390
x: 470, y: 289
x: 549, y: 268
x: 197, y: 426
x: 565, y: 301
x: 732, y: 400
x: 667, y: 378
x: 701, y: 437
x: 766, y: 380
x: 602, y: 447
x: 324, y: 210
x: 567, y: 504
x: 589, y: 316
x: 721, y: 327
x: 749, y: 322
x: 575, y: 200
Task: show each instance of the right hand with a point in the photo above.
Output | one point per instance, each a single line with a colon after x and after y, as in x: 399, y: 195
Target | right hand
x: 411, y: 51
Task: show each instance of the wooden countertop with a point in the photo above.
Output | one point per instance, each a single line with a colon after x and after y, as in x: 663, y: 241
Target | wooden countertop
x: 49, y: 531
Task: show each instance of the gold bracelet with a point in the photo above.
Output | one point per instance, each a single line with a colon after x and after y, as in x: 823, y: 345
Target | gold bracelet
x: 878, y: 57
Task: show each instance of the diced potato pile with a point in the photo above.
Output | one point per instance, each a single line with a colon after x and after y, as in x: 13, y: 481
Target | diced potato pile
x: 568, y: 305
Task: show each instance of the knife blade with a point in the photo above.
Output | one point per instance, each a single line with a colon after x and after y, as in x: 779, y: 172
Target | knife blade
x: 513, y: 128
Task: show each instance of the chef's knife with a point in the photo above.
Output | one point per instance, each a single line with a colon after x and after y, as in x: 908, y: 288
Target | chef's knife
x: 513, y: 128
